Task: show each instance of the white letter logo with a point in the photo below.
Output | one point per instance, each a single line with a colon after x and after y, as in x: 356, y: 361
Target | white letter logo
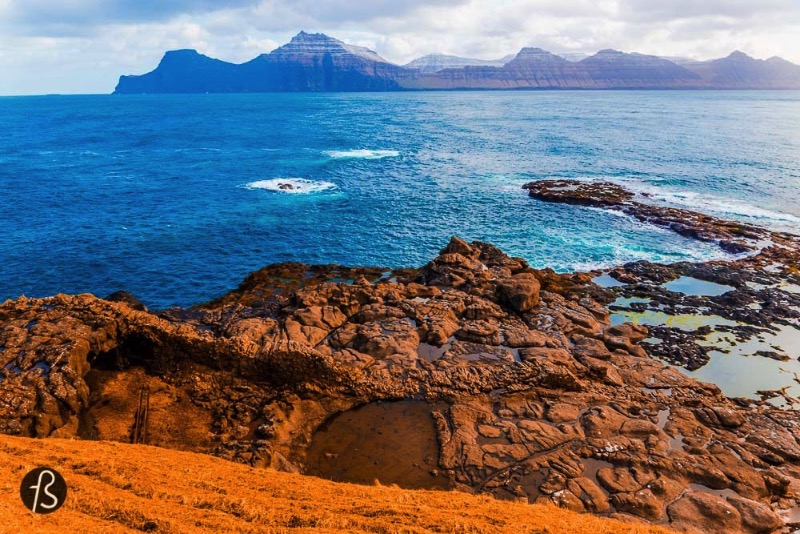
x: 46, y: 490
x: 43, y: 490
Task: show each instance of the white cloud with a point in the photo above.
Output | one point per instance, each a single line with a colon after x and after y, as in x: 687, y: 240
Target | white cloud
x: 73, y: 15
x: 687, y: 9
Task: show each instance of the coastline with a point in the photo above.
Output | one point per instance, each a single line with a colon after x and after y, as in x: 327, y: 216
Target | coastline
x: 529, y: 388
x: 476, y: 197
x: 750, y: 301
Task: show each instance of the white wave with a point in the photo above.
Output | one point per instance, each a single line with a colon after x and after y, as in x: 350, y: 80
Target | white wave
x: 615, y: 213
x: 361, y: 154
x: 586, y: 266
x: 702, y: 202
x: 293, y: 186
x: 621, y: 254
x: 705, y: 202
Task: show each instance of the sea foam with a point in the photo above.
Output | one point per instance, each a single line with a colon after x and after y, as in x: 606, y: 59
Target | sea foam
x: 292, y: 186
x: 361, y: 154
x: 708, y: 202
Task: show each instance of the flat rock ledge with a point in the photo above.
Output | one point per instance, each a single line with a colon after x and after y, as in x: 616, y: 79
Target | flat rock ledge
x: 731, y: 236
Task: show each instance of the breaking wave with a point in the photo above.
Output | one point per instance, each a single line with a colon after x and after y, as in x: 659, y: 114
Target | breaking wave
x: 361, y: 154
x: 292, y: 186
x: 705, y: 202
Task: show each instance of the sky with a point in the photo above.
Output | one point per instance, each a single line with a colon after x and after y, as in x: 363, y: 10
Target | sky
x: 82, y: 46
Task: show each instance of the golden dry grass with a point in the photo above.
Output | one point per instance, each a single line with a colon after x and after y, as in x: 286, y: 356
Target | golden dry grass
x: 115, y: 487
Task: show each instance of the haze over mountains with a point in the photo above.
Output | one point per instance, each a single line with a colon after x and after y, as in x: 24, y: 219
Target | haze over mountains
x: 317, y: 62
x: 436, y: 62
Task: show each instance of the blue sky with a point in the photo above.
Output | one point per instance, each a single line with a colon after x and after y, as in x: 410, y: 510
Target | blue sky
x: 82, y: 46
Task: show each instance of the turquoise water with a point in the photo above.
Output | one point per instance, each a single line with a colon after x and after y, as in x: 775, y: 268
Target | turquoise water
x: 176, y: 198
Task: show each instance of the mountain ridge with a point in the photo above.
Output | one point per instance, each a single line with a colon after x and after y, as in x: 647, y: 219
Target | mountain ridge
x: 313, y: 62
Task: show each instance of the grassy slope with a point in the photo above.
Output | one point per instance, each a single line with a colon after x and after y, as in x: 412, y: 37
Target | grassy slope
x: 116, y: 487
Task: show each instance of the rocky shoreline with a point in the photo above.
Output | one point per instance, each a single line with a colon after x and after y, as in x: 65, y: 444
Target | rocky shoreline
x: 750, y: 297
x: 516, y: 382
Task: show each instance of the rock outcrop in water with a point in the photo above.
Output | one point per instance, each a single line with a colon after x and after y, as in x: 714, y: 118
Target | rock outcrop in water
x: 528, y: 390
x: 316, y: 62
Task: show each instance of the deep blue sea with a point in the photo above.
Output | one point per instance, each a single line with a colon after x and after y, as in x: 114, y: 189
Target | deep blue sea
x: 176, y: 198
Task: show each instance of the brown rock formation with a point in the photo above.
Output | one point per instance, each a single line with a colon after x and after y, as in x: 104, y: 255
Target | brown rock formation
x: 530, y: 391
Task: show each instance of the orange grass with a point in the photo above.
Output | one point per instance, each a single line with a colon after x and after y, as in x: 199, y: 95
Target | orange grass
x: 116, y: 487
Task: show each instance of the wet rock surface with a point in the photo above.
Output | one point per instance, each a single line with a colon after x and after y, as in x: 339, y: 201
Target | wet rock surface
x: 749, y: 304
x: 731, y: 236
x: 529, y: 389
x: 392, y: 442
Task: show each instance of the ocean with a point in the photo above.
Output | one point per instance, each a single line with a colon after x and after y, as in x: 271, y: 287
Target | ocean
x: 176, y: 198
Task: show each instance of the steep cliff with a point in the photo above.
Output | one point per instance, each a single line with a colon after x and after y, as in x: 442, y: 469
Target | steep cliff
x: 317, y: 62
x: 742, y: 71
x: 530, y: 68
x: 534, y: 68
x: 613, y: 69
x: 186, y: 71
x: 310, y: 62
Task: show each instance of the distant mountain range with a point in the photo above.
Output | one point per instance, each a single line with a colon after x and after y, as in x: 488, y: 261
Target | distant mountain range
x: 317, y: 62
x: 436, y: 62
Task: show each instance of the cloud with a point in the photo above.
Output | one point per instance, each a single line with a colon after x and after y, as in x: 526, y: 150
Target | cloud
x: 72, y: 17
x: 688, y: 9
x: 91, y: 12
x: 340, y: 11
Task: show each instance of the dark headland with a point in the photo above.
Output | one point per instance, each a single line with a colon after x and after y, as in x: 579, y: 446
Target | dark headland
x: 474, y: 372
x: 316, y: 62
